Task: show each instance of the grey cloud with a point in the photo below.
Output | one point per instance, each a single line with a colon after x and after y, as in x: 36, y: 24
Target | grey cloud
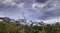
x: 15, y: 3
x: 41, y: 1
x: 38, y: 13
x: 49, y: 14
x: 19, y: 1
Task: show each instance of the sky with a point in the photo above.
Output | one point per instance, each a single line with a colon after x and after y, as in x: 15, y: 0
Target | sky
x: 45, y: 10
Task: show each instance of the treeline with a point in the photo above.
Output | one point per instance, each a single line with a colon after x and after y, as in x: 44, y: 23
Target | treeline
x: 7, y: 26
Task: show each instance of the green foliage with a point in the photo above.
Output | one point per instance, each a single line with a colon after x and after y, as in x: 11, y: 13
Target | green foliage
x: 36, y: 31
x: 42, y: 31
x: 15, y: 27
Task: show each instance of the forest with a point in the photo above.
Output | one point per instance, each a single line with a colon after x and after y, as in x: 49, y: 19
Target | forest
x: 8, y: 26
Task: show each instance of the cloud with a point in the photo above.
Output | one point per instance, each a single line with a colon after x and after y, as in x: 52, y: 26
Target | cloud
x: 38, y: 5
x: 35, y: 9
x: 41, y: 1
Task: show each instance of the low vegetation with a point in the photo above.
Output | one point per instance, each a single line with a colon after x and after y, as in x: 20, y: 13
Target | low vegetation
x: 16, y: 27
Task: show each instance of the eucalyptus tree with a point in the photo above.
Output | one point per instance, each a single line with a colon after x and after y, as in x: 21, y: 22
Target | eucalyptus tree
x: 42, y: 25
x: 25, y: 20
x: 57, y: 25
